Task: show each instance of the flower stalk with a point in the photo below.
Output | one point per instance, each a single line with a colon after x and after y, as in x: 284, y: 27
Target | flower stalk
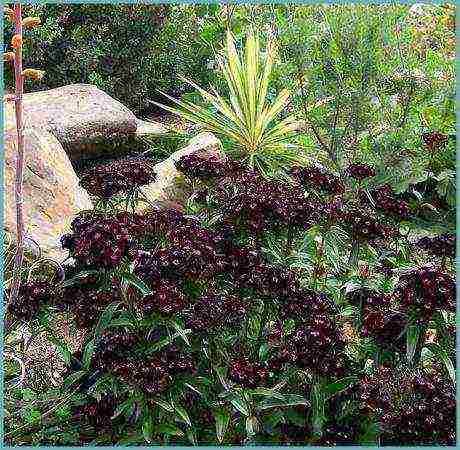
x: 18, y: 184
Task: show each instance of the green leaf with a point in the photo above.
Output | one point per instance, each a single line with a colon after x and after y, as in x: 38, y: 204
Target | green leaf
x: 444, y: 357
x: 222, y: 418
x: 240, y: 405
x: 165, y: 405
x: 88, y: 354
x: 252, y: 426
x: 318, y: 409
x: 221, y: 374
x: 105, y: 319
x: 412, y: 341
x: 183, y: 415
x: 60, y: 345
x: 288, y: 400
x: 125, y: 408
x: 147, y: 429
x: 73, y: 378
x: 78, y: 277
x: 182, y: 333
x: 169, y: 430
x: 135, y: 281
x: 334, y: 388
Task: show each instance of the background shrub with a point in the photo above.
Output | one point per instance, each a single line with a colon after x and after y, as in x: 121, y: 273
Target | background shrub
x: 129, y: 51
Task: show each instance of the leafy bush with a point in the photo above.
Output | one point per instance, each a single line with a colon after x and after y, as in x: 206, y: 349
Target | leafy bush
x: 253, y: 320
x: 128, y: 51
x: 316, y: 308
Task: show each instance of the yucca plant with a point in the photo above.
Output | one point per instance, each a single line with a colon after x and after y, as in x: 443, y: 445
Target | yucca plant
x: 246, y: 119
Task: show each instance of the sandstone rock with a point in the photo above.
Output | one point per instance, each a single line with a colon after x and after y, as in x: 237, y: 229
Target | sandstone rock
x: 52, y: 196
x: 86, y: 121
x: 149, y: 128
x: 169, y: 187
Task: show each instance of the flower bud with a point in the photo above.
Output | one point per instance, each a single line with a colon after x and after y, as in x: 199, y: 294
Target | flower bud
x: 31, y: 22
x: 16, y: 41
x: 33, y: 74
x: 8, y: 56
x: 9, y: 13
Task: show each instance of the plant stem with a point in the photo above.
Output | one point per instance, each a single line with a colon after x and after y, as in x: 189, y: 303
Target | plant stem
x: 354, y: 253
x: 263, y: 320
x: 19, y: 89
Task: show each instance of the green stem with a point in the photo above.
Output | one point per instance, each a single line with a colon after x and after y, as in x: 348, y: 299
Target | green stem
x: 263, y: 322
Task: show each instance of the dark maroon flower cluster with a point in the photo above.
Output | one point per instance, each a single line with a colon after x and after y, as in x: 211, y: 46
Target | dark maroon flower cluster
x: 268, y: 280
x: 192, y: 253
x: 380, y: 321
x: 434, y: 140
x: 386, y: 327
x: 318, y: 179
x: 252, y: 203
x: 376, y: 391
x: 360, y: 171
x: 87, y: 303
x: 386, y: 201
x: 107, y: 180
x: 442, y: 245
x: 98, y: 412
x: 299, y: 305
x: 203, y: 166
x: 364, y: 225
x: 117, y: 354
x: 366, y: 298
x: 166, y: 300
x: 86, y: 297
x: 425, y: 291
x: 32, y: 295
x: 97, y: 241
x: 247, y: 373
x: 212, y: 313
x: 316, y: 345
x: 414, y: 409
x: 427, y: 417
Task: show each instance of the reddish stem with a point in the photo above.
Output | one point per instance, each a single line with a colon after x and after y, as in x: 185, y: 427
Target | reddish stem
x: 19, y: 90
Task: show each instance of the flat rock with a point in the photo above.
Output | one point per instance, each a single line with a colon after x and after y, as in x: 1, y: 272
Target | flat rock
x: 86, y: 121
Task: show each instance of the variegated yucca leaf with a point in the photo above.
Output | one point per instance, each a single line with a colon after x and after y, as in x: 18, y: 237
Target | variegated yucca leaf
x: 246, y: 118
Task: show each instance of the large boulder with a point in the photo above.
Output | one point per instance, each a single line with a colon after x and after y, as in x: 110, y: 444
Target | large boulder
x: 169, y: 187
x: 52, y: 196
x: 86, y: 121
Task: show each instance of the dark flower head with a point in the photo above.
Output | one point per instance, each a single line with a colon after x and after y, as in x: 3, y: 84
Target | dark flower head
x: 203, y: 166
x: 434, y: 140
x: 364, y: 225
x: 416, y: 408
x: 107, y: 180
x: 442, y: 245
x: 360, y: 171
x: 318, y: 179
x: 247, y: 373
x: 387, y: 328
x: 385, y: 200
x: 167, y: 299
x: 97, y: 241
x: 426, y: 290
x: 32, y: 295
x: 212, y: 313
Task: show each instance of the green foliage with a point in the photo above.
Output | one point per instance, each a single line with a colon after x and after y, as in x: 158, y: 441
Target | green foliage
x: 247, y: 120
x: 126, y: 50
